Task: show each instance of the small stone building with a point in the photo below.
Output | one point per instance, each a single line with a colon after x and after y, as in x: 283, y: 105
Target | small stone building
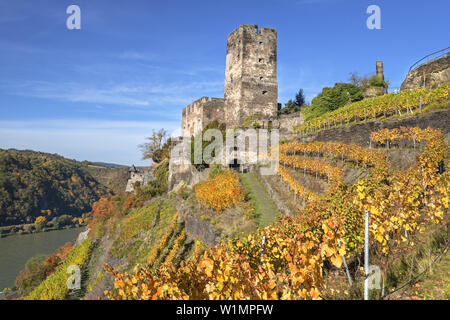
x: 135, y: 176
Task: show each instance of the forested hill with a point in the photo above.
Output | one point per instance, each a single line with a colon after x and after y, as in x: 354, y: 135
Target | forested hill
x: 36, y: 184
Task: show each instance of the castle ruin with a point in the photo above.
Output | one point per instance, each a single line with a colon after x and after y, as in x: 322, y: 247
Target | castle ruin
x: 251, y: 85
x: 138, y: 176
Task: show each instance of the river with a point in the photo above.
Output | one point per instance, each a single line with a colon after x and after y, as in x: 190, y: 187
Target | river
x: 16, y: 250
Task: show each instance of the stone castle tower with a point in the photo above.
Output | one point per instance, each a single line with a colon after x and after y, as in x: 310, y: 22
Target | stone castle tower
x: 380, y: 71
x: 251, y: 85
x: 251, y: 74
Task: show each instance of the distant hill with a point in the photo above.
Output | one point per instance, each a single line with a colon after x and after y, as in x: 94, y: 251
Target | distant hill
x: 104, y: 164
x: 114, y: 178
x: 35, y: 183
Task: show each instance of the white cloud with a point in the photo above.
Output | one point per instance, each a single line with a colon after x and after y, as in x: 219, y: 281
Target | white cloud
x: 139, y: 95
x: 133, y: 55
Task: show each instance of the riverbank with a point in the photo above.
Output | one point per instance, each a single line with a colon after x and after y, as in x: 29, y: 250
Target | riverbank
x: 30, y: 228
x: 17, y: 249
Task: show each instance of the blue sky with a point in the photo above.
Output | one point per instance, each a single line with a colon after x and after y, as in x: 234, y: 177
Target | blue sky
x: 95, y: 93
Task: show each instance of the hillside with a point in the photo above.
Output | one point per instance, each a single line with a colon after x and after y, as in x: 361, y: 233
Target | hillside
x: 319, y: 196
x: 327, y: 185
x: 36, y: 184
x: 285, y: 236
x: 112, y: 177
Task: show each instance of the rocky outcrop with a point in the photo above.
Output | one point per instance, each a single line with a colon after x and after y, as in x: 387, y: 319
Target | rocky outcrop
x: 196, y: 227
x: 429, y: 74
x: 81, y: 237
x: 203, y: 230
x: 372, y: 91
x: 184, y: 175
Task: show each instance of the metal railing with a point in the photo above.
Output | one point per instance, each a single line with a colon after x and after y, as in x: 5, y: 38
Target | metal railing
x: 418, y: 63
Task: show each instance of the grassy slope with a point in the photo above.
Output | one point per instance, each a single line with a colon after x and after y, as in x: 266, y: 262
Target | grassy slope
x: 434, y: 285
x: 437, y: 284
x: 137, y: 236
x: 264, y: 205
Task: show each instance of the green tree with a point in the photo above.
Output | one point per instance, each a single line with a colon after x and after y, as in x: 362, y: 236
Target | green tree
x: 40, y: 222
x: 293, y: 105
x: 300, y: 98
x: 289, y: 107
x: 163, y: 152
x: 332, y: 98
x: 154, y: 144
x: 377, y: 81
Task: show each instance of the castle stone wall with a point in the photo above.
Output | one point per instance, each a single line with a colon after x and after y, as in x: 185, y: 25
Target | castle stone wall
x: 251, y: 74
x: 200, y: 113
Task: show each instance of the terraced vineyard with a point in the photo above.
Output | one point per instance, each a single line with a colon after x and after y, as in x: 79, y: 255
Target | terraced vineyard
x: 408, y: 102
x: 289, y: 259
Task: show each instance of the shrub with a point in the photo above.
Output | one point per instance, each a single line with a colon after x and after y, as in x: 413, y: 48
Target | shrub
x: 157, y: 186
x: 34, y: 273
x: 333, y: 98
x: 220, y: 192
x: 102, y: 210
x: 377, y: 81
x: 40, y: 222
x: 185, y: 195
x: 214, y: 170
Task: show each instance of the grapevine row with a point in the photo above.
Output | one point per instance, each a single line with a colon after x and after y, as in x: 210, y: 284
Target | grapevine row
x: 353, y: 153
x: 322, y: 168
x: 164, y: 240
x: 176, y: 247
x: 388, y: 104
x: 295, y: 186
x: 289, y: 263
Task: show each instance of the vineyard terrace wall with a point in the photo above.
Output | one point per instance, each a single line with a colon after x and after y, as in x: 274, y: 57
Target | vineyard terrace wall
x: 360, y: 133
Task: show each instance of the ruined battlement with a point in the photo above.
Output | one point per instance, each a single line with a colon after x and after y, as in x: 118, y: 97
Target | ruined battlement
x: 200, y: 113
x: 254, y: 30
